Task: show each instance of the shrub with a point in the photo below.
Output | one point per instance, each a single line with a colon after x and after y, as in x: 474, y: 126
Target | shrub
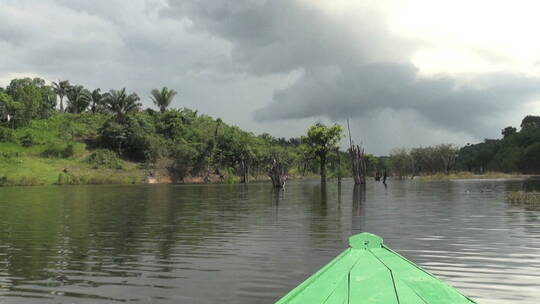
x: 229, y: 177
x: 28, y: 140
x: 64, y: 151
x: 184, y: 158
x: 112, y: 135
x: 135, y: 139
x: 105, y: 158
x: 74, y: 150
x: 53, y: 150
x: 7, y: 135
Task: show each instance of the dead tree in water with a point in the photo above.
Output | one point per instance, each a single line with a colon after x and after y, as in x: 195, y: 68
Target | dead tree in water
x: 277, y: 174
x: 358, y: 163
x: 338, y: 166
x: 244, y: 166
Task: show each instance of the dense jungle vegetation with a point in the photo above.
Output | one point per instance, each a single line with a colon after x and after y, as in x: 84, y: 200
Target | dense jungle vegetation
x: 66, y: 134
x: 61, y: 133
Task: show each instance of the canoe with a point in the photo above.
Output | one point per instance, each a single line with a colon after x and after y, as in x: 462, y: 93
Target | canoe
x: 370, y: 272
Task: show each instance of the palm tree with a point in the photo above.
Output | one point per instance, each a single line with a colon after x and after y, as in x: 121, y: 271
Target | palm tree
x: 121, y: 104
x: 97, y: 101
x: 163, y: 98
x: 60, y: 88
x: 78, y: 99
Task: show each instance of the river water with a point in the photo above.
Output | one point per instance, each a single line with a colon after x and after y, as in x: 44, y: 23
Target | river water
x: 248, y: 244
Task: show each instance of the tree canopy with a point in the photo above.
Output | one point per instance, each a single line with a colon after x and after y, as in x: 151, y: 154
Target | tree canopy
x: 321, y: 140
x: 163, y: 98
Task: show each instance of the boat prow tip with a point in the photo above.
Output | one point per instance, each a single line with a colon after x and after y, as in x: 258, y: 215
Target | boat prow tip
x: 365, y: 240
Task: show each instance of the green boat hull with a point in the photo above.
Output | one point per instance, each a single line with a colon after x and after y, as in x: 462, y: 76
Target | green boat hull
x: 370, y: 272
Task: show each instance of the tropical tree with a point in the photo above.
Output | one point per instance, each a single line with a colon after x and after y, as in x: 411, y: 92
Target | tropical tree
x: 32, y: 97
x: 508, y: 131
x: 60, y: 88
x: 530, y: 122
x: 78, y: 99
x: 401, y: 162
x: 163, y: 98
x: 7, y: 108
x: 321, y: 140
x: 97, y: 101
x: 119, y: 103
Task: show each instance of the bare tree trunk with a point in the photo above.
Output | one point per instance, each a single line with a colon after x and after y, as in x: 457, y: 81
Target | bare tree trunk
x: 277, y: 174
x: 358, y: 164
x: 245, y: 171
x: 359, y: 167
x: 323, y: 167
x: 338, y: 166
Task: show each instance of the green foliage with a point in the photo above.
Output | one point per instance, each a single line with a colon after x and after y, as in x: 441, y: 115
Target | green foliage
x: 508, y: 131
x: 28, y: 140
x: 104, y: 158
x: 229, y: 177
x: 517, y: 151
x: 78, y: 99
x: 97, y: 102
x: 530, y: 122
x: 530, y: 159
x: 60, y: 88
x: 321, y: 140
x: 185, y: 156
x: 7, y: 108
x: 163, y: 98
x: 7, y: 135
x: 61, y: 150
x: 182, y: 140
x: 120, y: 104
x: 401, y: 162
x: 32, y: 99
x: 134, y: 138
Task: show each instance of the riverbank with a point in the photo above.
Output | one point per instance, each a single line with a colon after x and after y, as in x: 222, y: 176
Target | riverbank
x: 28, y: 170
x: 33, y: 171
x: 469, y: 175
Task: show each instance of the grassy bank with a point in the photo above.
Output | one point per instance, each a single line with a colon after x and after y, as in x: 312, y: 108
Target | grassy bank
x: 33, y: 171
x: 468, y: 175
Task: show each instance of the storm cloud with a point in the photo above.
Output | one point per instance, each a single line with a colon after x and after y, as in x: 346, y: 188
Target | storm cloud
x: 268, y: 65
x: 361, y: 91
x: 354, y: 68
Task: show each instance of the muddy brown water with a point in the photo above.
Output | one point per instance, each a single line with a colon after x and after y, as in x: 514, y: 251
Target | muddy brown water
x: 248, y: 244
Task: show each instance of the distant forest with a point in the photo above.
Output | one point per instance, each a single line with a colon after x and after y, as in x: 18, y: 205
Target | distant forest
x: 518, y: 151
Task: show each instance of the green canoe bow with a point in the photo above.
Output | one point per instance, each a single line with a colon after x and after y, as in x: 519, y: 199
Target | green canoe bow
x: 370, y: 272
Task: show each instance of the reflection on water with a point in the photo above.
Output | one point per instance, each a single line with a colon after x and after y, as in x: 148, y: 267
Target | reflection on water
x: 251, y: 244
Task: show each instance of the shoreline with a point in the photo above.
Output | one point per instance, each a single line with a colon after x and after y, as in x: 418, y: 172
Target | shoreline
x: 471, y: 176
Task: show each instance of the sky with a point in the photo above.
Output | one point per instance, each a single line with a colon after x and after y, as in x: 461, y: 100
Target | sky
x: 405, y: 73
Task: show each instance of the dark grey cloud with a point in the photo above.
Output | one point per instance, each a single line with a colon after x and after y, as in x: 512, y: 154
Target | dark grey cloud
x: 278, y: 36
x: 354, y: 68
x: 444, y: 101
